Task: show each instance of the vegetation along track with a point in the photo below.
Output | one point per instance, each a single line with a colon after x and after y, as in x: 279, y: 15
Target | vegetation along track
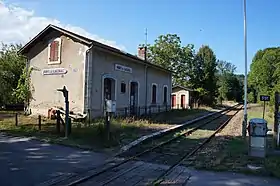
x: 166, y: 150
x: 191, y: 148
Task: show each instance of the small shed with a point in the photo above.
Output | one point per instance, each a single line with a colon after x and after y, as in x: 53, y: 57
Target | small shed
x: 181, y: 97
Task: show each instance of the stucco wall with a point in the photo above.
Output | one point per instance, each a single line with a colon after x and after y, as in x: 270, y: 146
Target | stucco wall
x: 45, y: 94
x: 104, y: 66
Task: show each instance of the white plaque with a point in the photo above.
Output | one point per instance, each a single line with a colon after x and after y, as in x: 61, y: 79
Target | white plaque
x: 54, y: 71
x: 123, y: 68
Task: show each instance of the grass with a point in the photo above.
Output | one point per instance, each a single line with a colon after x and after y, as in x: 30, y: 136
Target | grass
x: 179, y: 116
x: 229, y: 151
x: 237, y: 160
x: 93, y: 135
x: 257, y: 112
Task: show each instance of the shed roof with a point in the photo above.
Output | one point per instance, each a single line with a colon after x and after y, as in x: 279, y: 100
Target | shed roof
x: 86, y: 41
x: 182, y: 87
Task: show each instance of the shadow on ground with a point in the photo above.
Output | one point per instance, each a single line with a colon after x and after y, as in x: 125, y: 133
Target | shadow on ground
x: 27, y: 162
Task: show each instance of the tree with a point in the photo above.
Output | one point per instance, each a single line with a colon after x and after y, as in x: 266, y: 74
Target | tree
x: 168, y: 53
x: 230, y: 85
x: 11, y: 66
x: 206, y: 61
x: 264, y: 75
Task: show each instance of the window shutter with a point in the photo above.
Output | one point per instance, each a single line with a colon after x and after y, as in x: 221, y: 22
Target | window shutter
x: 56, y: 45
x: 54, y: 51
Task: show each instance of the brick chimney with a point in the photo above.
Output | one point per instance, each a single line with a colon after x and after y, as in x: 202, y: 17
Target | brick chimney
x: 141, y: 52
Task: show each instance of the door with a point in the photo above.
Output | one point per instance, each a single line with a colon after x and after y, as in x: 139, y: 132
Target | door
x: 183, y: 101
x: 173, y: 101
x: 133, y: 97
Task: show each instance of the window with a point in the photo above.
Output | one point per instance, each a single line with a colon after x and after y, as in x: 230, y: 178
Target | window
x: 123, y: 87
x: 165, y: 94
x: 54, y: 51
x: 154, y: 93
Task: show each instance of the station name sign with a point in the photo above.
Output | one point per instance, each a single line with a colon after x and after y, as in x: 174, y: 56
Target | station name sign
x: 54, y: 71
x: 264, y: 98
x: 123, y: 68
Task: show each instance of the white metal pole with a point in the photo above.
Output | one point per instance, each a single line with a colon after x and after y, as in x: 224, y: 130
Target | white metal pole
x: 245, y: 79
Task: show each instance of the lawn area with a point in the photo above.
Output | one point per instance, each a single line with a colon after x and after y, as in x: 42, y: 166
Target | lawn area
x: 256, y: 111
x: 229, y: 151
x: 92, y: 136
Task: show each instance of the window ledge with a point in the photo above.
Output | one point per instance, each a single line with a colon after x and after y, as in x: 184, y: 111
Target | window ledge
x: 53, y: 62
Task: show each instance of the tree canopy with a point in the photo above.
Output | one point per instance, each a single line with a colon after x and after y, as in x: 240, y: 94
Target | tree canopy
x: 11, y: 67
x: 195, y: 70
x: 264, y: 75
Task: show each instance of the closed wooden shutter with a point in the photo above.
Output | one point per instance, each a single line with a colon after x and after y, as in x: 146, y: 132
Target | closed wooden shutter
x: 54, y: 51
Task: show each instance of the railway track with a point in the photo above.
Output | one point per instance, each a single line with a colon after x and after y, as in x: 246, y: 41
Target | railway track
x: 163, y: 152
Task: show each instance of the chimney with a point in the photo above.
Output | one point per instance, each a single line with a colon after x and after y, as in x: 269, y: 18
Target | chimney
x: 142, y: 53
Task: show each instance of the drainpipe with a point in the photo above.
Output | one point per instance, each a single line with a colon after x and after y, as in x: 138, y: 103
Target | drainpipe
x: 87, y: 79
x: 146, y: 80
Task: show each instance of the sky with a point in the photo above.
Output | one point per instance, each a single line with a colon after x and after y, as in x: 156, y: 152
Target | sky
x: 122, y: 23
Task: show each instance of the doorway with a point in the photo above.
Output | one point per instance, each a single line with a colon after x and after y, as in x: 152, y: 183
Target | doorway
x: 183, y: 101
x: 133, y: 97
x: 173, y: 101
x: 109, y: 89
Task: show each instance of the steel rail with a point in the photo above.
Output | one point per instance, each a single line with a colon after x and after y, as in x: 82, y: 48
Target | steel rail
x: 84, y: 179
x: 188, y: 155
x: 188, y: 132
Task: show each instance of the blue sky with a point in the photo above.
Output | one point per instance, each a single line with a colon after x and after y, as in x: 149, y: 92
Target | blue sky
x: 217, y: 23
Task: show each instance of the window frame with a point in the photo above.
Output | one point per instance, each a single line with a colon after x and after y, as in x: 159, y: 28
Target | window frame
x: 165, y: 96
x: 58, y: 61
x: 124, y: 87
x: 154, y: 84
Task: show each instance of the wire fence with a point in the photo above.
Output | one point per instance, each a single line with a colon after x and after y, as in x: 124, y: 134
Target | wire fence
x: 147, y: 111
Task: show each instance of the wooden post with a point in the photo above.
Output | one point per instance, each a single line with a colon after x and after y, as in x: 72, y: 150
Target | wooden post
x: 145, y: 110
x: 70, y: 126
x: 139, y: 111
x: 89, y: 117
x: 39, y: 122
x: 276, y: 119
x: 58, y: 121
x: 107, y: 122
x: 16, y: 119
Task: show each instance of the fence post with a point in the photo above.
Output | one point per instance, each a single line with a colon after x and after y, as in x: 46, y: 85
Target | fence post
x: 150, y: 110
x: 16, y: 119
x: 276, y: 120
x: 165, y: 107
x: 89, y: 117
x: 145, y: 110
x: 70, y: 126
x: 125, y: 111
x: 58, y: 121
x: 139, y: 111
x: 158, y: 108
x: 39, y: 122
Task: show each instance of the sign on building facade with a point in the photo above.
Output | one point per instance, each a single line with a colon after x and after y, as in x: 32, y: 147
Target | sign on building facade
x: 54, y: 71
x: 123, y: 68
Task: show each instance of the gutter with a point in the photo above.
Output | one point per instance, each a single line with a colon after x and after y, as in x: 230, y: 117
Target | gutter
x: 146, y: 80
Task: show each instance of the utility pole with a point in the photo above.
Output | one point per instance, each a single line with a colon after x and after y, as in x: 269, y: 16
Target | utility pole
x: 245, y: 79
